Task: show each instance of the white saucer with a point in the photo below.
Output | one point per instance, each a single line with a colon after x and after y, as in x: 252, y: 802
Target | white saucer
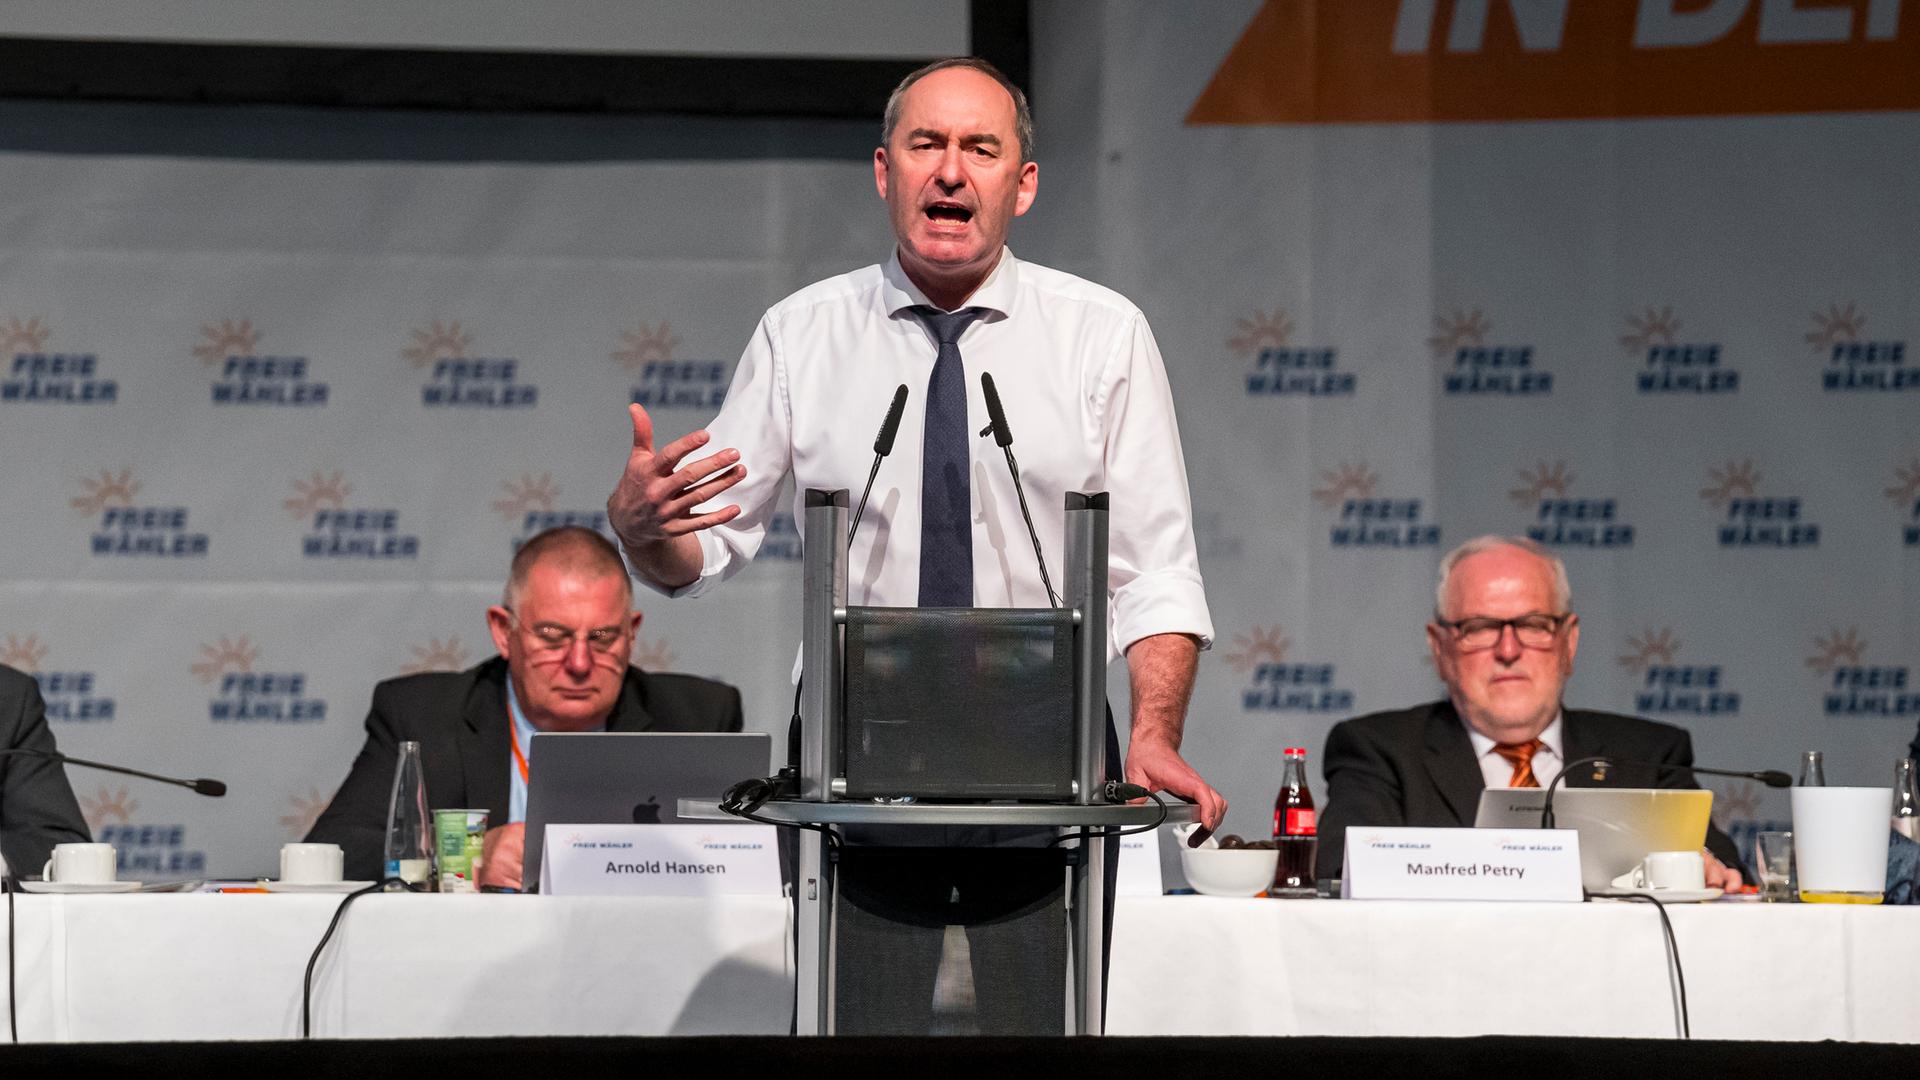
x: 314, y: 886
x: 79, y: 887
x: 1665, y: 896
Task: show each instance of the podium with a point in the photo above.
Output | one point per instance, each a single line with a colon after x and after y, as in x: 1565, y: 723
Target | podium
x: 1008, y: 730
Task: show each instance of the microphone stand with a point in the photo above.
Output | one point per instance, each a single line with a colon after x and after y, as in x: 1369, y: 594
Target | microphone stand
x: 1003, y: 435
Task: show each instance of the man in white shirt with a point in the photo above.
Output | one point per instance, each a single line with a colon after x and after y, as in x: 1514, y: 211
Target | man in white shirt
x: 1503, y: 640
x: 1076, y: 367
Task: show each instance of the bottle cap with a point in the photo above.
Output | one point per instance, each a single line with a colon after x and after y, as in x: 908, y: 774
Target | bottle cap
x: 1301, y: 750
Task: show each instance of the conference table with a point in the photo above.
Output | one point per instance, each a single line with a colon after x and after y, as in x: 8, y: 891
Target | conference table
x: 229, y: 966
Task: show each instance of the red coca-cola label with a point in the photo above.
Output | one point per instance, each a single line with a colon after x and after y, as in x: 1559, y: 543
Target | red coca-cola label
x: 1300, y: 821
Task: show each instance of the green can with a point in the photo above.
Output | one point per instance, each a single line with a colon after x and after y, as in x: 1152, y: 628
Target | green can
x: 458, y: 836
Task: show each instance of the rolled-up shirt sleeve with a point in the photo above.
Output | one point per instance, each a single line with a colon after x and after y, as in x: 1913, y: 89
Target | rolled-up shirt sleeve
x: 1153, y: 572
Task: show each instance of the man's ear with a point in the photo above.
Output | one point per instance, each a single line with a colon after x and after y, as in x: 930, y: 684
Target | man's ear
x: 1029, y: 187
x: 500, y: 625
x: 880, y: 170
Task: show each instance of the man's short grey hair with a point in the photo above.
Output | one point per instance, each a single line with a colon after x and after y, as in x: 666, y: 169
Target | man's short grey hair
x: 1562, y: 589
x: 575, y: 549
x: 1022, y: 116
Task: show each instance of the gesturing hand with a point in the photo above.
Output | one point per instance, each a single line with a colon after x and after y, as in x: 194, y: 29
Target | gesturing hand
x: 656, y: 495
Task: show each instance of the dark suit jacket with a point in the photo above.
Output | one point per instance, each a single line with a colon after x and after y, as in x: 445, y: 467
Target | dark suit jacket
x: 1416, y: 767
x: 460, y: 721
x: 37, y: 809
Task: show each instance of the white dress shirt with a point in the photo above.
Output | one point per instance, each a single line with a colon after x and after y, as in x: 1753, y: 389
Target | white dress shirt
x: 1498, y: 771
x: 1086, y: 398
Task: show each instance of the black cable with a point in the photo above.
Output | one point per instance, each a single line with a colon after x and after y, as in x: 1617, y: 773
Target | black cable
x: 306, y: 983
x: 1673, y: 951
x: 13, y: 983
x: 1086, y: 835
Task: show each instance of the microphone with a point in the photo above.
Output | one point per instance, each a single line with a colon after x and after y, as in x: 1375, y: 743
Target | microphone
x: 202, y: 786
x: 882, y: 446
x: 1773, y: 778
x: 1003, y: 435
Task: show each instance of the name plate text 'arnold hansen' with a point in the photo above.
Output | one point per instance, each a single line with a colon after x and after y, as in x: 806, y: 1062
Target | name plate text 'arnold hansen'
x: 1461, y: 864
x: 660, y: 860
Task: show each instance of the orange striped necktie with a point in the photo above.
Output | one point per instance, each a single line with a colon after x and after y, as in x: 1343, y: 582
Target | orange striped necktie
x: 1520, y: 756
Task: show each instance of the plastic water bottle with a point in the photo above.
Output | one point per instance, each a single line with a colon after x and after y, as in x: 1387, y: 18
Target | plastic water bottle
x: 1812, y: 772
x: 1906, y: 801
x: 409, y: 827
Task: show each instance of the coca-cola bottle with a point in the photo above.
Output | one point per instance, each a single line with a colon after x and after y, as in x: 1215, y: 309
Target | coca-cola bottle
x: 1294, y: 831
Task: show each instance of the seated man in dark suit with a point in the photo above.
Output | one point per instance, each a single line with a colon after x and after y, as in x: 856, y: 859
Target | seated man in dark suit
x: 565, y: 633
x: 37, y: 809
x: 1503, y: 638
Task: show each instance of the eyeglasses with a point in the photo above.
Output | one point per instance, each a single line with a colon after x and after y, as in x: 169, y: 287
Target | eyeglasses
x: 552, y: 637
x: 1533, y: 631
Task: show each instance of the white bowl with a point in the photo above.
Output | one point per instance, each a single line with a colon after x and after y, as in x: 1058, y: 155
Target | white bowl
x: 1229, y: 871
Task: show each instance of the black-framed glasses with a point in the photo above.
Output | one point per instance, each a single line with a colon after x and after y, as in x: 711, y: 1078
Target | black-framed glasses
x: 1535, y: 630
x: 552, y: 637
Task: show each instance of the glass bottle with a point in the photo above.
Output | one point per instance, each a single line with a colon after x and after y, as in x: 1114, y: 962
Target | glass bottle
x: 1812, y: 773
x: 1906, y: 801
x: 1295, y: 830
x: 409, y: 827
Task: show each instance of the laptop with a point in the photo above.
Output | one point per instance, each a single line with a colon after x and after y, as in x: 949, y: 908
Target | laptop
x: 1618, y: 827
x: 621, y: 777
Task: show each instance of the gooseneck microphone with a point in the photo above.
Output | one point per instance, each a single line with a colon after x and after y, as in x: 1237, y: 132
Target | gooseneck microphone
x: 1771, y: 777
x: 1003, y: 435
x: 202, y: 786
x: 882, y: 446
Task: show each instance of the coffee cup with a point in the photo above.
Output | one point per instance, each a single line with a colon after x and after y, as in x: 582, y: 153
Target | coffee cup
x: 1667, y: 871
x: 81, y: 864
x: 311, y: 864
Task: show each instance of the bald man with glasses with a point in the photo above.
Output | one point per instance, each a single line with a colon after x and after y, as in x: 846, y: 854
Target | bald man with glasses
x: 564, y: 630
x: 1503, y: 639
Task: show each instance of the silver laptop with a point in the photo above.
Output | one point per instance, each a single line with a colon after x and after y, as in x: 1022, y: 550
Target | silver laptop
x: 617, y: 777
x: 1618, y: 827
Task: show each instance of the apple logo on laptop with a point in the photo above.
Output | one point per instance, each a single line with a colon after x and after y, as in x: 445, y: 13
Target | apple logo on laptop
x: 647, y: 813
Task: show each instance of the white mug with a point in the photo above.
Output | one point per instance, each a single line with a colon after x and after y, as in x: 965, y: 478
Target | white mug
x: 311, y: 864
x: 1671, y: 870
x: 81, y: 864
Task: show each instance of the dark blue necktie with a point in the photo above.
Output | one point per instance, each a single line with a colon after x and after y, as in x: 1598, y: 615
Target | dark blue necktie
x: 946, y: 495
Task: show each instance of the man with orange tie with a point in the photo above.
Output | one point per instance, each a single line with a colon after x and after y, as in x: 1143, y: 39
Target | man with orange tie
x: 1503, y: 638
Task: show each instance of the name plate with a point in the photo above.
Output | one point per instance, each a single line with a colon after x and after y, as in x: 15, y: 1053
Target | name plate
x: 660, y: 860
x: 1461, y: 864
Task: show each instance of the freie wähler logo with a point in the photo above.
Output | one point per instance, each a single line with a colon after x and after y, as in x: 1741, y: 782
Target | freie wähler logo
x: 436, y: 655
x: 1750, y: 520
x: 666, y: 383
x: 143, y: 851
x: 458, y: 379
x: 1369, y: 522
x: 69, y: 695
x: 246, y: 696
x: 1670, y: 688
x: 1852, y: 363
x: 1667, y: 365
x: 1284, y: 370
x: 1855, y: 688
x: 335, y: 531
x: 531, y: 502
x: 1560, y: 520
x: 125, y: 529
x: 1475, y: 368
x: 53, y: 378
x: 244, y: 377
x: 1905, y: 494
x: 1275, y: 685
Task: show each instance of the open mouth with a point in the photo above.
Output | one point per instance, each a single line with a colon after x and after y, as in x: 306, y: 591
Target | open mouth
x: 949, y: 213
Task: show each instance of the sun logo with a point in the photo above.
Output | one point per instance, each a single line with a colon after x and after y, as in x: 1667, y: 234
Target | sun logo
x: 1344, y: 482
x: 1829, y: 651
x: 23, y: 654
x: 1644, y: 650
x: 1740, y: 802
x: 229, y: 338
x: 645, y: 345
x: 304, y: 810
x: 437, y: 656
x: 1458, y: 331
x: 1736, y: 478
x: 438, y: 342
x: 530, y: 492
x: 1648, y: 329
x: 1265, y: 330
x: 1906, y: 486
x: 106, y: 806
x: 1837, y: 325
x: 217, y: 660
x: 18, y: 337
x: 652, y: 655
x: 1263, y: 643
x: 108, y: 489
x: 1543, y: 479
x: 317, y: 490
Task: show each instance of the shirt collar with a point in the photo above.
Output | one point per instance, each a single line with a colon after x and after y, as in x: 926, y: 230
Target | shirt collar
x: 898, y: 292
x: 1550, y: 738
